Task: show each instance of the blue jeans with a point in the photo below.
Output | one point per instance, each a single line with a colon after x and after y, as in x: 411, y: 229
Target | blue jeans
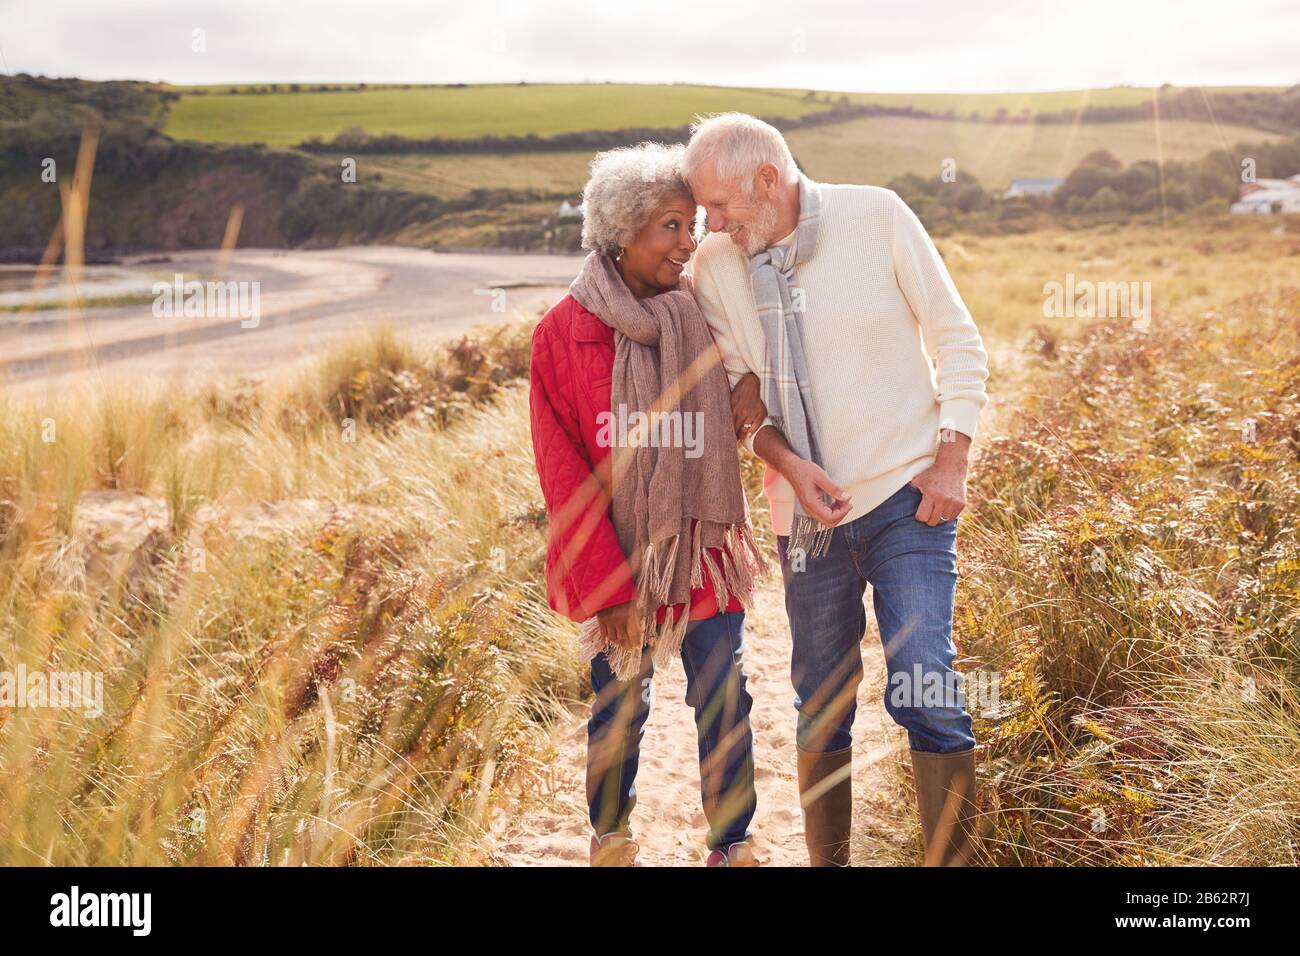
x: 912, y: 569
x: 712, y: 656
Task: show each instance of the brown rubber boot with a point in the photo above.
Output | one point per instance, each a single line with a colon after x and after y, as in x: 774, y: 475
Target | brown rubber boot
x: 826, y: 794
x: 945, y: 801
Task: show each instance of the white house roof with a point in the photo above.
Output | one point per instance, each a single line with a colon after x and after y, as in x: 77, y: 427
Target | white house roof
x: 1288, y: 184
x: 1287, y: 192
x: 1032, y: 186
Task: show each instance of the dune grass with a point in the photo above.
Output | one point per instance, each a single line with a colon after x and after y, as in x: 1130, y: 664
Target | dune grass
x: 332, y: 647
x: 1131, y: 572
x: 1194, y: 265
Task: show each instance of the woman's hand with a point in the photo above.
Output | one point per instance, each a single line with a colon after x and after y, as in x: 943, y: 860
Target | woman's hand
x: 747, y: 409
x: 621, y: 625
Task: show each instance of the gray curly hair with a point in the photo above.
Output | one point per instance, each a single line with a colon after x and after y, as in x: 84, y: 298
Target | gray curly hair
x: 625, y: 187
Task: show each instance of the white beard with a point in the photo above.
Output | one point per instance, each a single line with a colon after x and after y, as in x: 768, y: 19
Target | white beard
x: 758, y: 231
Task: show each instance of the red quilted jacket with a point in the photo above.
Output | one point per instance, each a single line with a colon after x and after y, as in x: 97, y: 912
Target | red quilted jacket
x: 572, y: 365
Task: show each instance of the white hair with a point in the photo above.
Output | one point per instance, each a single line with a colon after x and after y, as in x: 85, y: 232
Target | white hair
x: 736, y: 144
x: 626, y: 186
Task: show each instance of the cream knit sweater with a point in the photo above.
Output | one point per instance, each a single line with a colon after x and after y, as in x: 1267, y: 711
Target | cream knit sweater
x: 893, y: 354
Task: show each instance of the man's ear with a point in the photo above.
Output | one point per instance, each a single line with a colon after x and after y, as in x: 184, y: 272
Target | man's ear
x: 768, y: 179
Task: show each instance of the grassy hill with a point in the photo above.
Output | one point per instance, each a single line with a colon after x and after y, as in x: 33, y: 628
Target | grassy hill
x: 286, y: 118
x: 877, y: 149
x: 1051, y: 101
x: 241, y: 114
x: 990, y: 136
x: 871, y: 151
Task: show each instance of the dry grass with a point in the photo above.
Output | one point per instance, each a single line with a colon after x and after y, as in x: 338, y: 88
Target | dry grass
x: 1132, y: 572
x: 315, y: 654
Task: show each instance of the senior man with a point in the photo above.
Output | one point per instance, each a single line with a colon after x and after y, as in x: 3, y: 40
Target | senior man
x: 872, y: 372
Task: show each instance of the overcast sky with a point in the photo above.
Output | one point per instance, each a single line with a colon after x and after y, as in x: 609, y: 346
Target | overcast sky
x: 907, y: 46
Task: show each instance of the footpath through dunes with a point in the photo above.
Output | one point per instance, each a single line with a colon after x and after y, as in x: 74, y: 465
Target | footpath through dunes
x: 668, y: 822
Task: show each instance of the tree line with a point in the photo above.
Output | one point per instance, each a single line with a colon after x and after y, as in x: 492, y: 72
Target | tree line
x: 1101, y: 186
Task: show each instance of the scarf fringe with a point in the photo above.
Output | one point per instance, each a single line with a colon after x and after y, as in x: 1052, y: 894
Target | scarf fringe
x: 668, y: 637
x: 734, y: 576
x: 625, y: 663
x: 697, y: 572
x: 657, y: 576
x: 810, y: 535
x: 739, y: 575
x: 716, y: 580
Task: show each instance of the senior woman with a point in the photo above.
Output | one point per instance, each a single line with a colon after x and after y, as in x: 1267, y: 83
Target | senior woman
x: 649, y: 544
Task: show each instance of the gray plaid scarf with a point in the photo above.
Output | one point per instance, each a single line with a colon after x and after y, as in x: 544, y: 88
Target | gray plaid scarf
x: 785, y: 387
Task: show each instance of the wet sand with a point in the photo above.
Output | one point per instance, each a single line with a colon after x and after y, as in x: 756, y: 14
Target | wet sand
x: 308, y: 301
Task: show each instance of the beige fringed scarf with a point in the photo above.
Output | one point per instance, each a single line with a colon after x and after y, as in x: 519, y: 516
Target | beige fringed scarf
x: 668, y: 377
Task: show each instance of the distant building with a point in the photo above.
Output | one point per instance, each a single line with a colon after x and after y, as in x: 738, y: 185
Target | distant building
x: 1032, y: 187
x: 1245, y: 189
x: 1266, y: 197
x: 569, y: 210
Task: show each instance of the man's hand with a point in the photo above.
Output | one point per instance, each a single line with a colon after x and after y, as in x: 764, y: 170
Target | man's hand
x: 943, y: 484
x: 808, y: 480
x: 621, y: 625
x: 747, y: 409
x: 810, y: 483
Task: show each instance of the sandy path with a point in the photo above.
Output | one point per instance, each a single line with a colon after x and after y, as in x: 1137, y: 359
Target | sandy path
x: 668, y: 821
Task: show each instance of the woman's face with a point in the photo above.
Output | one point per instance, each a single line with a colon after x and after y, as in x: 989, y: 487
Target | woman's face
x: 655, y: 258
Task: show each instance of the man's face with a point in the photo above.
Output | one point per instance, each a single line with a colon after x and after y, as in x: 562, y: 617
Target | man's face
x: 735, y: 210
